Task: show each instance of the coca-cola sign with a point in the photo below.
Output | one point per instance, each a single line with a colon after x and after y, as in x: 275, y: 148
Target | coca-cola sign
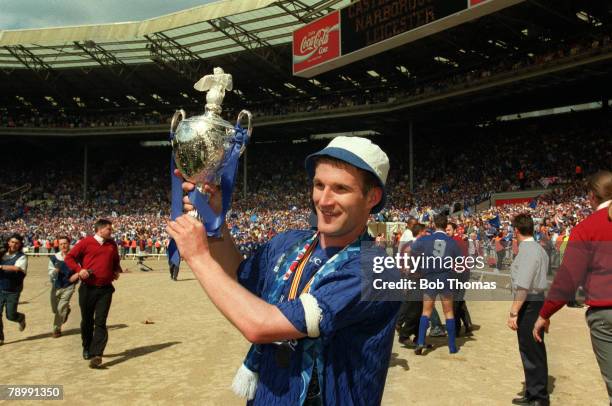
x: 316, y: 42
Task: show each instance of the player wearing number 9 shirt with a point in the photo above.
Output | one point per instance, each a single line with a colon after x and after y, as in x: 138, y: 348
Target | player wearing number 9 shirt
x: 438, y: 252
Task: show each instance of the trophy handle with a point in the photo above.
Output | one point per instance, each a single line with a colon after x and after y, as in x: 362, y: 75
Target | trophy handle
x: 176, y: 119
x: 249, y: 116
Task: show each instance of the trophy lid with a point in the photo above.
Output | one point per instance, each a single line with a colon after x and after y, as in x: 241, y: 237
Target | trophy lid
x: 215, y: 85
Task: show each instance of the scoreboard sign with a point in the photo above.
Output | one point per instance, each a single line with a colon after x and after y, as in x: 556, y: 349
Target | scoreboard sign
x: 368, y: 22
x: 368, y: 27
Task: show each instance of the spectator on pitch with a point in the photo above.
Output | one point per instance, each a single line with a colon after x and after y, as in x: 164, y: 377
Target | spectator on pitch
x: 587, y: 260
x: 528, y: 276
x: 63, y: 281
x: 13, y: 268
x: 96, y: 260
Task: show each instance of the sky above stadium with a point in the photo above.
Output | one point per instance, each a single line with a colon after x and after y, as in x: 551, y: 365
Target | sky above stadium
x: 19, y: 14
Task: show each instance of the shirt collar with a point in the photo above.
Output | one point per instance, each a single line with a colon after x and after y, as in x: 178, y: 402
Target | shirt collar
x: 99, y: 239
x: 9, y: 256
x: 528, y: 239
x: 604, y: 204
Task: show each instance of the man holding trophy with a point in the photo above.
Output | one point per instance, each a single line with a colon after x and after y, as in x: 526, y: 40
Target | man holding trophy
x: 298, y: 298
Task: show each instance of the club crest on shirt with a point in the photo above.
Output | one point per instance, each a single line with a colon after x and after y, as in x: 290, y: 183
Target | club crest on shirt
x: 316, y: 261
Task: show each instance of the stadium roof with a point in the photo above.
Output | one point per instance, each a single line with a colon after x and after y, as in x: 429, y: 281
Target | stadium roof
x: 251, y: 40
x: 203, y: 32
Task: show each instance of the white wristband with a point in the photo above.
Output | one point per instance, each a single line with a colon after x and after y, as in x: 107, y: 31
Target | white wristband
x: 312, y: 314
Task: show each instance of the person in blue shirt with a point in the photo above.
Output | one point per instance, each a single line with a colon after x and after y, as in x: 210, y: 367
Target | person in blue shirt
x: 438, y: 252
x: 298, y: 298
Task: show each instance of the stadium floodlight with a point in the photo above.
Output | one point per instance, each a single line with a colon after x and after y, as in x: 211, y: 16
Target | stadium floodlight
x: 289, y: 85
x: 159, y: 98
x: 364, y: 133
x: 51, y: 100
x: 315, y: 82
x: 403, y: 70
x: 498, y: 43
x: 78, y: 101
x: 588, y: 18
x: 373, y: 73
x: 446, y: 61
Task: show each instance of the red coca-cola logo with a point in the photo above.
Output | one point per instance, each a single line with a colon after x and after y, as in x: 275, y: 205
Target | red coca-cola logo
x: 316, y: 42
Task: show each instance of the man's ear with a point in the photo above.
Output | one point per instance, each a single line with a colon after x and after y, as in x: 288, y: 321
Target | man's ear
x: 374, y: 197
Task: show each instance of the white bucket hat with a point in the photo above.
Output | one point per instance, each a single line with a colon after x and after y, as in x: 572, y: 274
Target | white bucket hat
x: 359, y: 152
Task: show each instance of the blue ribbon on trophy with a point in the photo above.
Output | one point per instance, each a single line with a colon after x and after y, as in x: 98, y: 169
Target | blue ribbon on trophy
x: 206, y: 149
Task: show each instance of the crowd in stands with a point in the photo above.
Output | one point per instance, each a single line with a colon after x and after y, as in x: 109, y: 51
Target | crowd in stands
x: 372, y: 93
x: 453, y: 173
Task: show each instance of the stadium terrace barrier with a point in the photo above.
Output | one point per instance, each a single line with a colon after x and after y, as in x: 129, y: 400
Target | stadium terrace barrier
x: 134, y: 257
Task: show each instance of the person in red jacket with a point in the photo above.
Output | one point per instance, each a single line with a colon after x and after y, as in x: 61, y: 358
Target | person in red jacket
x: 587, y: 262
x: 462, y: 314
x: 96, y: 260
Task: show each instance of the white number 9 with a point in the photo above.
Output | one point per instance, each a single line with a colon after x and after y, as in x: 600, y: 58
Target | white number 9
x: 439, y: 248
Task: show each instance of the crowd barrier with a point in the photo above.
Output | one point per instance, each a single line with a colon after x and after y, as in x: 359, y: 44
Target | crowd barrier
x: 131, y: 256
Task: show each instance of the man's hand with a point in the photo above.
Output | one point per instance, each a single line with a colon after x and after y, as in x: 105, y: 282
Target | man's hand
x: 214, y: 193
x: 190, y: 236
x: 83, y: 274
x: 541, y: 323
x: 511, y: 323
x: 115, y: 276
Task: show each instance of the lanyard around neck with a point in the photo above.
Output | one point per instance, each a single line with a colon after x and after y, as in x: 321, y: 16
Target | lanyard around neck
x: 297, y: 277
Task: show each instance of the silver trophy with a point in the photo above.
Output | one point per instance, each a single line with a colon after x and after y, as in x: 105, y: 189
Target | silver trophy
x: 201, y: 143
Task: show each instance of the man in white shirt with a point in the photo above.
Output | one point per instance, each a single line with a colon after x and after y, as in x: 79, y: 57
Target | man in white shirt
x: 13, y: 268
x: 63, y: 281
x: 528, y: 274
x: 407, y: 236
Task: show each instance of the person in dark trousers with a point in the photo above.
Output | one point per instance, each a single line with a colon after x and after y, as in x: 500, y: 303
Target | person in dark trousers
x: 13, y: 268
x: 587, y: 262
x: 411, y: 309
x: 462, y: 314
x: 528, y: 274
x: 174, y: 271
x: 96, y: 260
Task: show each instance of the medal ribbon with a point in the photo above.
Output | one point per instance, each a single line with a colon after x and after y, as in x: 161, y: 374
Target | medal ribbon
x: 299, y: 264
